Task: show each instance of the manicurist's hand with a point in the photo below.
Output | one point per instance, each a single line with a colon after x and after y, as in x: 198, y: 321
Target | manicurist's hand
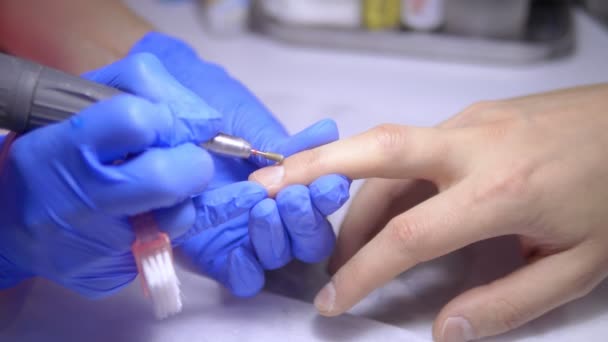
x: 65, y: 203
x: 293, y: 225
x: 534, y: 167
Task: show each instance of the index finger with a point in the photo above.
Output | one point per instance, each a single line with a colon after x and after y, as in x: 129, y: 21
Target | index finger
x: 387, y: 151
x: 144, y: 75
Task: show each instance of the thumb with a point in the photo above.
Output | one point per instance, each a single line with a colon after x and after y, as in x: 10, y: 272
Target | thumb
x: 520, y: 297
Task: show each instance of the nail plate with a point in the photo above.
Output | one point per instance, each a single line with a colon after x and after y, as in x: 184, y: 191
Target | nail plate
x: 457, y: 329
x: 269, y: 176
x: 324, y: 301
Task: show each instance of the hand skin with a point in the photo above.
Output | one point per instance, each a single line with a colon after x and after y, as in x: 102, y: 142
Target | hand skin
x: 533, y: 166
x: 71, y: 35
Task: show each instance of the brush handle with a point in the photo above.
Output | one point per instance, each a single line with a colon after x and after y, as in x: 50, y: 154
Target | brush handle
x: 145, y: 227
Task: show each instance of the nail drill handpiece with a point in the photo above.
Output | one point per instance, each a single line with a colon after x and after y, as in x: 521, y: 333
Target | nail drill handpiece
x: 33, y: 96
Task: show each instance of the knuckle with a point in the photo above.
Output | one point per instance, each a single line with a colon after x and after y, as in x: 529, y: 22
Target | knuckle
x: 389, y: 136
x: 424, y: 147
x: 407, y: 233
x: 515, y: 182
x: 496, y: 132
x: 479, y: 113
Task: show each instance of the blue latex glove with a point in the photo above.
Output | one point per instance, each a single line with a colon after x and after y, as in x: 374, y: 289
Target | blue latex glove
x: 277, y: 230
x: 64, y: 203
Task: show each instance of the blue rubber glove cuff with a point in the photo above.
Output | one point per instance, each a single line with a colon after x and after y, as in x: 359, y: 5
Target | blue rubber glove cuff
x: 10, y: 274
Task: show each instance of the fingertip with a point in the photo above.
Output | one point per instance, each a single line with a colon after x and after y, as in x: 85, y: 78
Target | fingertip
x: 250, y: 194
x: 218, y: 206
x: 312, y: 237
x: 329, y: 193
x: 326, y: 128
x: 240, y: 195
x: 263, y: 210
x: 293, y: 199
x: 320, y: 133
x: 269, y: 177
x: 301, y: 168
x: 245, y: 275
x: 146, y: 65
x: 453, y: 323
x: 455, y: 328
x: 268, y: 236
x: 325, y: 300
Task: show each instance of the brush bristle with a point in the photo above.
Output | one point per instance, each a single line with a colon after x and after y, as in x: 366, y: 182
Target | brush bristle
x: 162, y: 283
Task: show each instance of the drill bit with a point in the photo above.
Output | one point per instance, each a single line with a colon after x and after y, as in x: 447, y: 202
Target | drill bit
x: 231, y: 146
x: 269, y: 155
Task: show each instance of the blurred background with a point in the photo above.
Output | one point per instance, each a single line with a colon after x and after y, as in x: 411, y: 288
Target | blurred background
x: 412, y: 62
x: 361, y: 63
x: 515, y: 31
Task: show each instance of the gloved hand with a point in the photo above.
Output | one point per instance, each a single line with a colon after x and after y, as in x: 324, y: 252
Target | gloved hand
x: 64, y: 203
x: 277, y: 230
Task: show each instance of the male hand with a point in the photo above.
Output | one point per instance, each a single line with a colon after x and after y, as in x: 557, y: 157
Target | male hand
x: 534, y: 167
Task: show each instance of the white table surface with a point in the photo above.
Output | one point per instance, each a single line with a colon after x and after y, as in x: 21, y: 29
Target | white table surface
x: 302, y: 85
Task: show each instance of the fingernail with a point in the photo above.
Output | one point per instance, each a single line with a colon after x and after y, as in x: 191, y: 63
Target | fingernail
x: 269, y: 176
x: 457, y: 329
x: 324, y: 301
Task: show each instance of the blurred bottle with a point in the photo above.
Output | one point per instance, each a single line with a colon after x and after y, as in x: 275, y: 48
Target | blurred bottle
x: 225, y: 17
x: 487, y: 18
x: 318, y: 13
x: 422, y: 15
x: 381, y: 14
